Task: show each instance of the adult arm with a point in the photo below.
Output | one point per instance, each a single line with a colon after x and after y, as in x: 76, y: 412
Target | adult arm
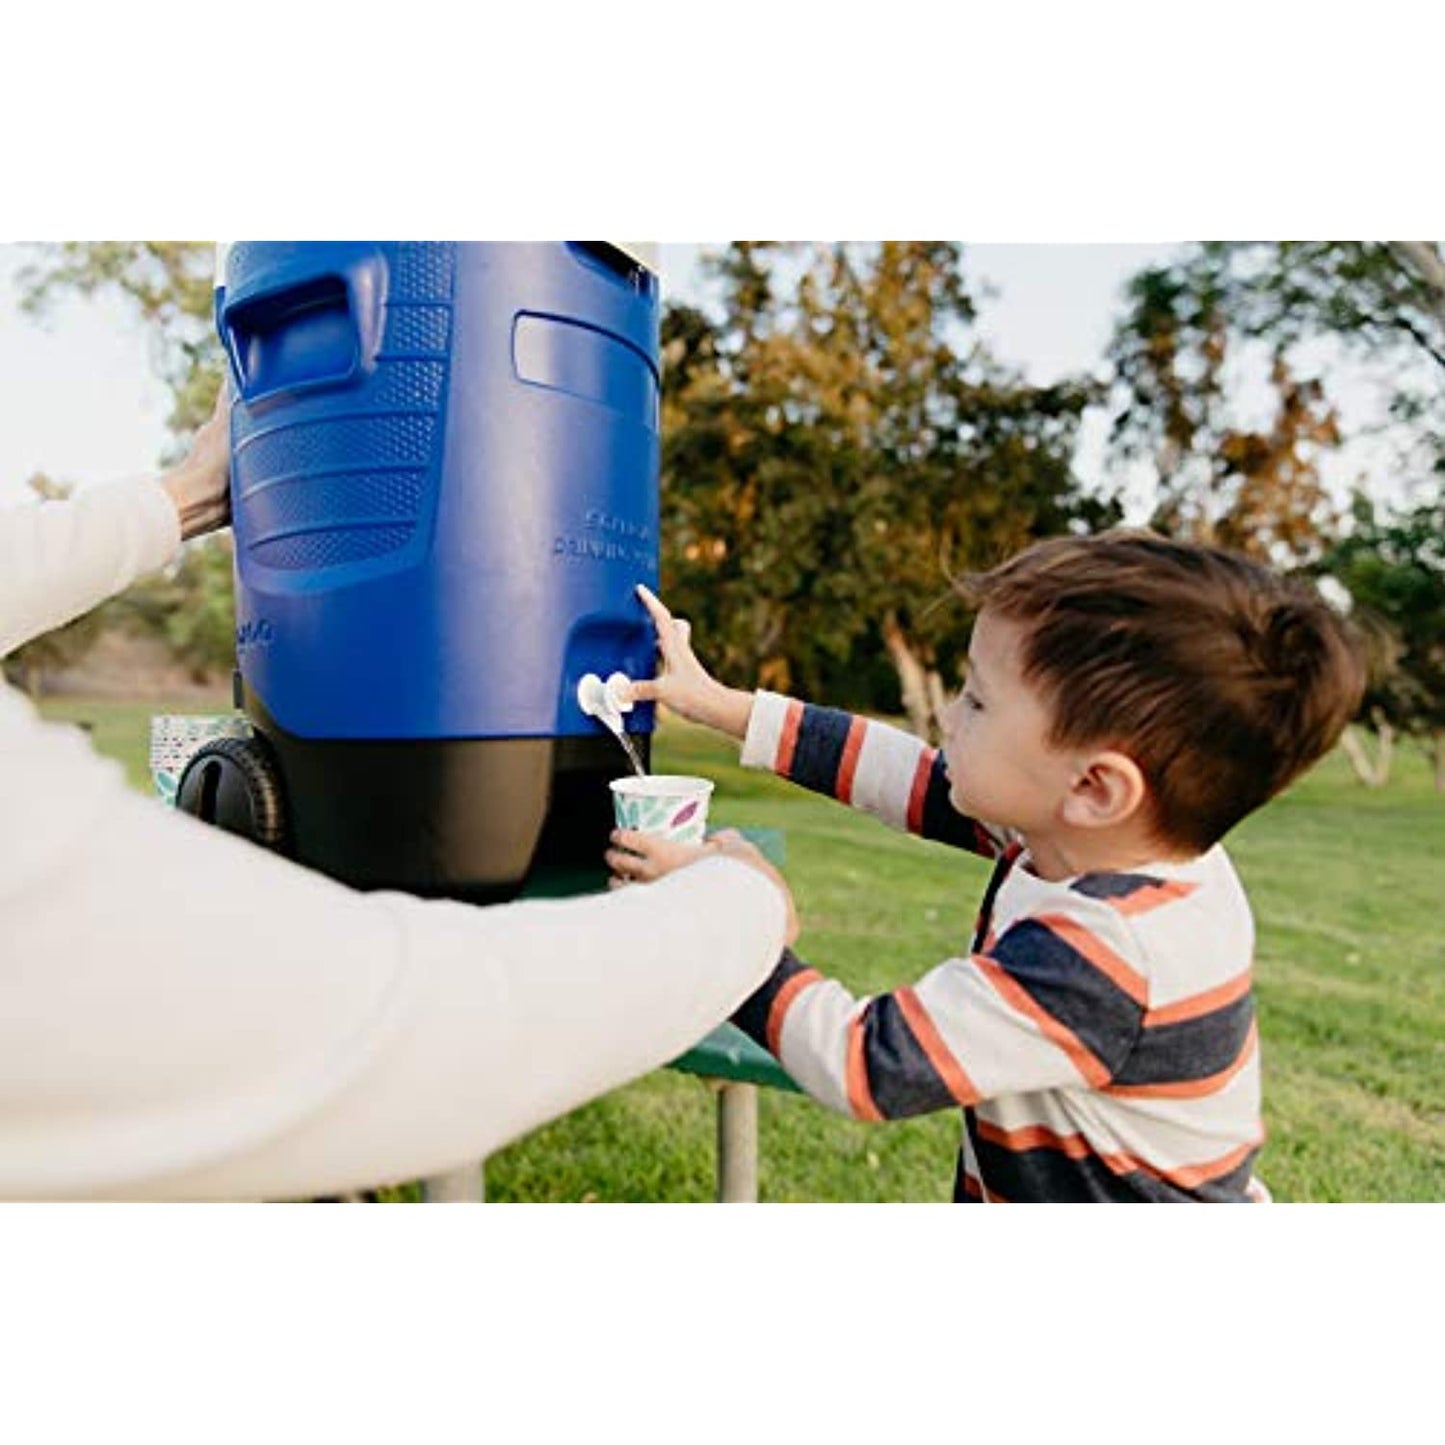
x: 60, y: 559
x: 183, y: 1015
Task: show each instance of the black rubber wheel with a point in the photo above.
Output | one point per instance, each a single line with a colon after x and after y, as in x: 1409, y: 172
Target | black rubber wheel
x: 235, y: 784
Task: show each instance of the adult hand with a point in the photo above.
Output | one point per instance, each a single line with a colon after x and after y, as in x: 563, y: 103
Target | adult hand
x: 644, y: 858
x: 684, y: 685
x: 199, y: 485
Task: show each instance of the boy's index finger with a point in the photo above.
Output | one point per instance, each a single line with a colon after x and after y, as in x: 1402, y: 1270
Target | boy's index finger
x: 650, y: 600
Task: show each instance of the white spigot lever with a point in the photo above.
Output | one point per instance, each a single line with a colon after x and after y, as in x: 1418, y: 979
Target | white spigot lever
x: 618, y: 688
x: 606, y: 701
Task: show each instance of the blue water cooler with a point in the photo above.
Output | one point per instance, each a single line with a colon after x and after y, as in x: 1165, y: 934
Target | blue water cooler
x: 444, y: 489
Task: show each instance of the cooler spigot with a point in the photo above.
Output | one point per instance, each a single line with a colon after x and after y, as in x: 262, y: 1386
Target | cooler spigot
x: 606, y: 701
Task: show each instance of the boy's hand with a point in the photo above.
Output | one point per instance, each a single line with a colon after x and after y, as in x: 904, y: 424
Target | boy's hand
x: 644, y: 858
x: 684, y: 684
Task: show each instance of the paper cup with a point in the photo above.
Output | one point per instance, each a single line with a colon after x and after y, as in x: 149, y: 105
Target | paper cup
x: 670, y: 806
x: 176, y: 736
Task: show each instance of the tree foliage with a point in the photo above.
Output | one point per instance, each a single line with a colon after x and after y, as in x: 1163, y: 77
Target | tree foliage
x: 167, y: 285
x: 1393, y: 567
x: 834, y: 447
x: 1291, y: 307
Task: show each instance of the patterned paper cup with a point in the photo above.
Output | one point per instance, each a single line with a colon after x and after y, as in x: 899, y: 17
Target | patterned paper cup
x: 176, y: 736
x: 671, y: 807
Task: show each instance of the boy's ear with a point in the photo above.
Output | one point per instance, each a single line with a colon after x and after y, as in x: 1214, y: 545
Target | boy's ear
x: 1108, y: 791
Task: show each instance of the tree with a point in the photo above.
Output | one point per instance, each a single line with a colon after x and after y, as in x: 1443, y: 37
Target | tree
x: 1300, y: 304
x: 168, y: 285
x: 1393, y: 567
x: 834, y: 447
x: 1254, y: 490
x: 191, y: 605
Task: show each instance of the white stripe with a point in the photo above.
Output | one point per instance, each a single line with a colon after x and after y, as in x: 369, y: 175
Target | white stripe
x: 813, y: 1044
x: 765, y: 730
x: 887, y: 766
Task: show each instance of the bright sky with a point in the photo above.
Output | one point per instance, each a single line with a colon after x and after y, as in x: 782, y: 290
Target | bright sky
x: 81, y: 403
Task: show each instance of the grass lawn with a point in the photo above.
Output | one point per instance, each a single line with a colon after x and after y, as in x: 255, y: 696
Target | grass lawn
x: 1349, y: 895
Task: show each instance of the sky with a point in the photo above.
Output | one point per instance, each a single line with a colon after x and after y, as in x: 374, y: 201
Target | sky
x: 81, y: 403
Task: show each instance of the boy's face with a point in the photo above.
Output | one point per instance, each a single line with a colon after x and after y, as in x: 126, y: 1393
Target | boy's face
x: 1000, y: 767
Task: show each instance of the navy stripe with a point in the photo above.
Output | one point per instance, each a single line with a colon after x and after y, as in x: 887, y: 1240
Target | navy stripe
x: 1191, y: 1049
x: 1114, y: 885
x: 1072, y: 990
x: 1046, y: 1175
x: 900, y: 1077
x: 941, y: 821
x: 1229, y: 1188
x: 819, y: 752
x: 1001, y: 871
x: 751, y: 1016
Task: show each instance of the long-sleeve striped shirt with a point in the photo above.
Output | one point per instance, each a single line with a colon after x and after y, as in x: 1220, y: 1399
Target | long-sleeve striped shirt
x: 1099, y: 1034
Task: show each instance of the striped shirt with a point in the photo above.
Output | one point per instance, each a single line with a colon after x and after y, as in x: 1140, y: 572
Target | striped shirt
x: 1099, y: 1035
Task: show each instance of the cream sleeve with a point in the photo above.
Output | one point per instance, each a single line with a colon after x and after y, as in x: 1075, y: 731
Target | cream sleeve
x: 60, y: 559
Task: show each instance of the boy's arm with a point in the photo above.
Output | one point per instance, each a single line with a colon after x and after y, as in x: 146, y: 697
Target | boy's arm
x: 869, y: 765
x: 877, y: 768
x: 1054, y: 1002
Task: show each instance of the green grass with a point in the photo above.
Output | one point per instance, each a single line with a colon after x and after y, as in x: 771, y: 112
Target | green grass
x: 1348, y: 888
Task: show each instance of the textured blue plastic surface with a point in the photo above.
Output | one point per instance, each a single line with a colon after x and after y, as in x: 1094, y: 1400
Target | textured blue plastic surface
x: 444, y: 483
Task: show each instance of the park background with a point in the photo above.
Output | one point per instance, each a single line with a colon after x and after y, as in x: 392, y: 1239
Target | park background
x: 845, y: 425
x: 1098, y: 123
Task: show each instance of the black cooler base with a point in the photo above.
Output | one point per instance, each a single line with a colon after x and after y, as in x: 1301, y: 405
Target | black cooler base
x: 465, y: 818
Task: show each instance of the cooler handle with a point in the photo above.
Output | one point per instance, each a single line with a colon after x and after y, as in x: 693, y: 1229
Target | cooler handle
x: 303, y: 323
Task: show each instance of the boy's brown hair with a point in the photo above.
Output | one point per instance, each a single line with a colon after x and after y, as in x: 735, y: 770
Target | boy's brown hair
x: 1219, y: 678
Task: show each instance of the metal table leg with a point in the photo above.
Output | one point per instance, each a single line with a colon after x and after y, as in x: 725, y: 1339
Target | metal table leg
x: 737, y: 1143
x: 461, y: 1186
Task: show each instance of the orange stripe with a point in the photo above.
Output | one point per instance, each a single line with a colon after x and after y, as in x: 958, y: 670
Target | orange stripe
x: 1154, y: 895
x: 1076, y: 1146
x: 971, y: 1186
x: 782, y: 1002
x: 1072, y: 1146
x: 848, y: 765
x: 788, y: 742
x: 1196, y: 1005
x: 939, y: 1055
x: 1198, y: 1174
x: 1085, y: 1062
x: 920, y: 789
x: 860, y: 1099
x: 1081, y: 940
x: 1191, y: 1088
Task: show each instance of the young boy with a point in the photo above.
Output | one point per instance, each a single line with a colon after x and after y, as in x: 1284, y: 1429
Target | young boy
x: 1128, y: 700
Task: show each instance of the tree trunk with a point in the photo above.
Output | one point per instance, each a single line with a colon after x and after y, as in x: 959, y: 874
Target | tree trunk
x: 937, y: 698
x: 1376, y: 773
x: 912, y: 676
